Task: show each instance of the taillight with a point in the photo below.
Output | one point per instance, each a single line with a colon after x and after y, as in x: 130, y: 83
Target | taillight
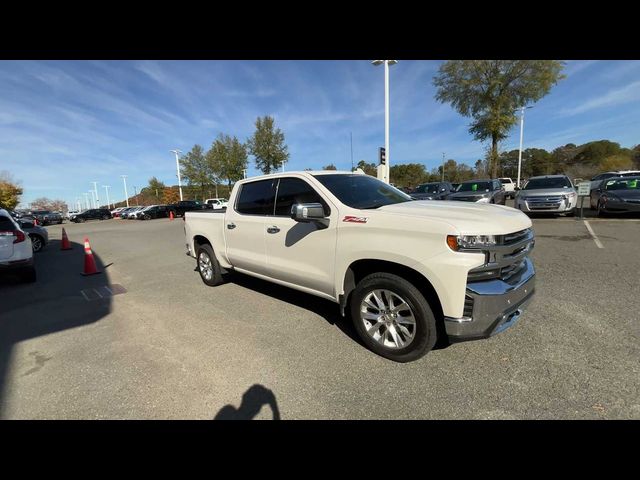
x: 35, y: 221
x: 20, y: 236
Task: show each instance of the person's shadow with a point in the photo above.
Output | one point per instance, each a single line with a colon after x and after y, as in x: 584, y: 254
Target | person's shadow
x: 252, y: 401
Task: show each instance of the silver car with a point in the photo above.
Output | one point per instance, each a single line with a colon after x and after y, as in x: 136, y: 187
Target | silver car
x: 38, y: 234
x: 548, y: 194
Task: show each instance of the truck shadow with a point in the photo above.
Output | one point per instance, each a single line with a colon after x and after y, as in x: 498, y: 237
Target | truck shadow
x: 252, y: 401
x: 325, y: 308
x: 53, y: 303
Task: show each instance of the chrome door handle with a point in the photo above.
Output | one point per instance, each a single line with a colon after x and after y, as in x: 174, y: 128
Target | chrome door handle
x: 231, y: 226
x: 273, y: 229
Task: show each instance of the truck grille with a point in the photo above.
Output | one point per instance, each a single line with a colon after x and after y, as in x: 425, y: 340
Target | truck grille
x: 544, y: 203
x: 505, y: 260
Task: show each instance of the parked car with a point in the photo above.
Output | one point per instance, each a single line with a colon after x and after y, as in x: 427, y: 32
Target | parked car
x: 216, y: 203
x: 92, y: 214
x: 619, y: 195
x: 16, y: 252
x: 71, y: 213
x: 38, y: 234
x: 124, y: 211
x: 157, y: 211
x: 596, y: 183
x: 509, y: 187
x: 432, y: 191
x: 480, y: 191
x: 116, y: 212
x: 46, y: 217
x: 407, y: 271
x: 137, y: 214
x: 183, y: 206
x: 130, y: 214
x: 548, y: 194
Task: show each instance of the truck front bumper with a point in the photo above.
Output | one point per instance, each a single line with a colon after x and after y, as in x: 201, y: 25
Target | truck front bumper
x: 495, y: 305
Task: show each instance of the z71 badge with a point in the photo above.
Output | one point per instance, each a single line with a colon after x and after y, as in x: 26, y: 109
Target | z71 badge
x: 352, y: 219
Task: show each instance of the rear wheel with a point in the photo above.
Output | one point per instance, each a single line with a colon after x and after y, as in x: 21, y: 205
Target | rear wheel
x: 208, y: 266
x: 392, y: 317
x: 36, y: 243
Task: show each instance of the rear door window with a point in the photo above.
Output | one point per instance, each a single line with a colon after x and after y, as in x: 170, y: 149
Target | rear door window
x: 256, y: 198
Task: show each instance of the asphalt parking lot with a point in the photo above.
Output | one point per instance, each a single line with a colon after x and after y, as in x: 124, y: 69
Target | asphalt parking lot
x: 159, y: 344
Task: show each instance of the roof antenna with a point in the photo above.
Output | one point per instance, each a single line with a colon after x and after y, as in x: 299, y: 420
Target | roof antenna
x: 351, y: 151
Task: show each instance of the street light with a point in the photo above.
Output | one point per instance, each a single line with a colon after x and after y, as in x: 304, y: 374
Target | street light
x: 522, y: 109
x: 106, y: 189
x: 86, y: 200
x: 126, y: 194
x: 443, y: 166
x: 385, y: 170
x: 176, y: 151
x: 95, y: 187
x: 93, y: 199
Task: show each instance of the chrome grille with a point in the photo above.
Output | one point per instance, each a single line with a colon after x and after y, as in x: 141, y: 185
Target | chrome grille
x: 506, y: 259
x: 551, y: 202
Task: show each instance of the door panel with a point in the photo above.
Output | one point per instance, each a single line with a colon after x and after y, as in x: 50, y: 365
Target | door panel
x: 244, y: 226
x: 301, y: 253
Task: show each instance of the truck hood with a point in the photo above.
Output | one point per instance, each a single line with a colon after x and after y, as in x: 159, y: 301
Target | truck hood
x: 466, y: 218
x: 543, y: 192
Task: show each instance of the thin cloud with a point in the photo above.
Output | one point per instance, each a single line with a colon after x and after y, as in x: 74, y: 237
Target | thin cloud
x: 624, y: 95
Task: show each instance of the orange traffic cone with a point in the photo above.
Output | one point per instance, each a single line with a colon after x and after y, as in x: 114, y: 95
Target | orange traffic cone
x: 89, y: 263
x: 171, y: 215
x: 66, y: 245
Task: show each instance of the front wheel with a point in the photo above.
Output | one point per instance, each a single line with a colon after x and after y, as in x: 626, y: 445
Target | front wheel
x: 392, y: 317
x: 208, y: 266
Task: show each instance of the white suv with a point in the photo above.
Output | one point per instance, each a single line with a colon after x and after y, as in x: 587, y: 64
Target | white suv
x: 509, y: 187
x: 216, y: 203
x: 16, y: 252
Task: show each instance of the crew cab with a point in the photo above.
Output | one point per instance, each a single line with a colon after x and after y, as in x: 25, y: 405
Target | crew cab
x: 407, y: 271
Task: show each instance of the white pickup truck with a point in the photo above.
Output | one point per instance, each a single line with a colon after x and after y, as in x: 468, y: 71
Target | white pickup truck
x: 408, y: 272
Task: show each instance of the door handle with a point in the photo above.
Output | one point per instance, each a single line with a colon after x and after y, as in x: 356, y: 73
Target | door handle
x: 231, y: 226
x: 273, y: 229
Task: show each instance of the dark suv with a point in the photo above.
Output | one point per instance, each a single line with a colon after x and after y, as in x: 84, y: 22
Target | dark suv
x: 92, y: 214
x: 432, y: 191
x: 182, y: 206
x: 158, y: 211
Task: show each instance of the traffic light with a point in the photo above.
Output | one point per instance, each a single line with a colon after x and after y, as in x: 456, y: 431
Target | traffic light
x: 383, y: 156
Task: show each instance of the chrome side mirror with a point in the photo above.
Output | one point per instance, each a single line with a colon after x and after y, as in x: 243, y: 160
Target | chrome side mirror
x: 307, y: 212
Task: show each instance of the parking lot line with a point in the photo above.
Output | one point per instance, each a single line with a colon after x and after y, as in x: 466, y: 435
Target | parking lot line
x: 595, y: 237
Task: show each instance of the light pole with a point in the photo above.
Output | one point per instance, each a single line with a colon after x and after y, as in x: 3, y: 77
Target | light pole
x: 126, y: 194
x: 95, y: 188
x: 93, y: 198
x: 86, y: 200
x: 176, y: 151
x: 443, y: 166
x: 521, y: 134
x: 106, y: 189
x: 387, y: 167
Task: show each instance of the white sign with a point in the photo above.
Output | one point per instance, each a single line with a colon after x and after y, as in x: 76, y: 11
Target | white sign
x: 584, y: 189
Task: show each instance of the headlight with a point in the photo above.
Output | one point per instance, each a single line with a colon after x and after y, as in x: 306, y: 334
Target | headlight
x: 483, y: 200
x: 470, y: 242
x: 572, y: 195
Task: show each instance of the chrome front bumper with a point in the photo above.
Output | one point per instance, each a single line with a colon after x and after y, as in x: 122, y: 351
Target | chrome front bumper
x: 497, y: 305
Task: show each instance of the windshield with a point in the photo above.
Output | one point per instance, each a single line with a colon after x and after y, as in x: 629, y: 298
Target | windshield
x: 475, y: 187
x: 552, y: 182
x: 362, y: 191
x: 628, y: 183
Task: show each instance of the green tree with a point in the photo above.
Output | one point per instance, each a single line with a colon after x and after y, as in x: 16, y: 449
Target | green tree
x: 228, y: 158
x: 10, y: 191
x: 368, y: 168
x: 267, y: 145
x: 408, y: 174
x: 490, y: 91
x: 331, y: 166
x: 196, y: 170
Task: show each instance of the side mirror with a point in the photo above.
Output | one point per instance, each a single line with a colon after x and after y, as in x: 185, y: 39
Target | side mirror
x: 307, y: 212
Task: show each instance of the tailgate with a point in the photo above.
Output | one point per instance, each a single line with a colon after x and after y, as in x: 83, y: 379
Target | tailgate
x: 7, y: 228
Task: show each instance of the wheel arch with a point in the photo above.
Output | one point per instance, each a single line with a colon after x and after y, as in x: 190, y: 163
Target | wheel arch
x: 359, y: 269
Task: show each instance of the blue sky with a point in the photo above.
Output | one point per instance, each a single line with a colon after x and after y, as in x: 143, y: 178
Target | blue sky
x: 64, y: 124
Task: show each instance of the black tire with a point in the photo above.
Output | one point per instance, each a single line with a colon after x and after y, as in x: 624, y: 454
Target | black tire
x: 29, y: 275
x: 216, y: 273
x: 600, y: 211
x: 106, y: 217
x: 37, y: 243
x: 80, y: 220
x: 425, y: 331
